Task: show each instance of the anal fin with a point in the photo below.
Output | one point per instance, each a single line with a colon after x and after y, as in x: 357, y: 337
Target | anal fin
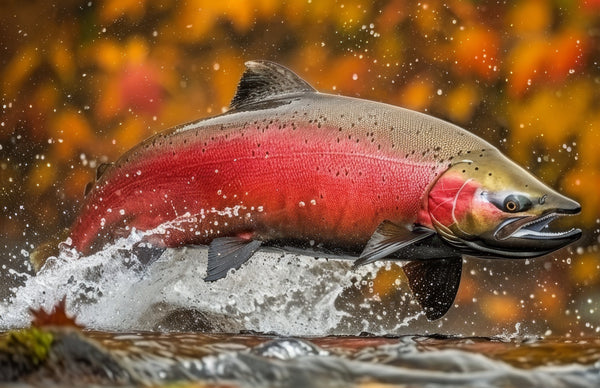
x: 434, y: 283
x: 225, y: 253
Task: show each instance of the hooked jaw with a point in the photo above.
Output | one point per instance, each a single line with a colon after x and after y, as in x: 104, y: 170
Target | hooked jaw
x: 530, y: 236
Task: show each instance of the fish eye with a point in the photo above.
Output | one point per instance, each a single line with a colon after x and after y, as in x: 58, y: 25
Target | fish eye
x: 516, y: 203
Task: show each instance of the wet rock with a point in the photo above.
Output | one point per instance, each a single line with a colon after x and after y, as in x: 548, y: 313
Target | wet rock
x: 58, y: 355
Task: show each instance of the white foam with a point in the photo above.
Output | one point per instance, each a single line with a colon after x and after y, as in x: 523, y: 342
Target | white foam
x: 273, y: 292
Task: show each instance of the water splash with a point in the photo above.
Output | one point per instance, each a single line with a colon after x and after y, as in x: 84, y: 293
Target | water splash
x: 275, y: 292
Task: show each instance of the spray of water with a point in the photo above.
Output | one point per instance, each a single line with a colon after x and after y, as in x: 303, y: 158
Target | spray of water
x: 276, y: 292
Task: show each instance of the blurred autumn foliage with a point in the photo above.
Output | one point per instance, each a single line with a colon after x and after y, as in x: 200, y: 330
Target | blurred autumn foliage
x: 81, y: 82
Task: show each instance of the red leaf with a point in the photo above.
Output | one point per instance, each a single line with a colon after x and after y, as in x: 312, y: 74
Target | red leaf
x: 56, y: 317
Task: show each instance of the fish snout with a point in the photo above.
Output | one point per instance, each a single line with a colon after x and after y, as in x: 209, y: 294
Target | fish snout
x: 560, y: 204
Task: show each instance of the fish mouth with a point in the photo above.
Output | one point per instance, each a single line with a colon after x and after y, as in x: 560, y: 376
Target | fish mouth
x: 525, y: 237
x: 535, y: 228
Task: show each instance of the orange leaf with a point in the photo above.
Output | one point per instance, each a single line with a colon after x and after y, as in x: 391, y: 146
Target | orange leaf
x: 56, y: 317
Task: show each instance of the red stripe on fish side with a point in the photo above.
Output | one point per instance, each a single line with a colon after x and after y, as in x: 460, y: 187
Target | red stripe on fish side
x: 303, y: 183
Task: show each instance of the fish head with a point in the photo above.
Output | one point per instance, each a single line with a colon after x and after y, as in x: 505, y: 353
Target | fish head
x: 491, y: 207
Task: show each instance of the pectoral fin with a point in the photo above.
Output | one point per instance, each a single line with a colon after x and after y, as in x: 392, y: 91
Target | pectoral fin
x: 225, y: 253
x: 434, y: 283
x: 389, y: 238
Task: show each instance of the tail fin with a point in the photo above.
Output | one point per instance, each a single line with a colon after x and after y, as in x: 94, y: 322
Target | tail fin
x: 50, y: 248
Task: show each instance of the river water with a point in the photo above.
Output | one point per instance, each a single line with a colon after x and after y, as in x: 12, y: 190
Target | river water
x: 134, y: 359
x: 294, y: 321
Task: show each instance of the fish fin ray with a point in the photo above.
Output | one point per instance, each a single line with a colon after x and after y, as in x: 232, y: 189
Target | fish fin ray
x: 225, y: 253
x: 264, y: 80
x: 389, y: 238
x: 434, y: 283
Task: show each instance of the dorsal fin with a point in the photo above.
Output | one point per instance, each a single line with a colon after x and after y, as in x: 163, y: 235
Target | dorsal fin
x: 101, y: 169
x: 88, y: 188
x: 265, y: 80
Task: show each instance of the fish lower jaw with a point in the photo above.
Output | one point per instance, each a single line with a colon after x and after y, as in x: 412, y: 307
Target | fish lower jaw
x: 536, y: 229
x: 534, y: 234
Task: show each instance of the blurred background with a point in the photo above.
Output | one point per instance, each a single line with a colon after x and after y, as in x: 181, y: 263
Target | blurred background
x: 83, y: 81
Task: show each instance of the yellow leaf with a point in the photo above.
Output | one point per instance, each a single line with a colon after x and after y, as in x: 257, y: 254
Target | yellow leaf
x: 530, y: 16
x: 136, y: 50
x: 130, y: 133
x: 41, y: 178
x: 108, y: 55
x: 385, y: 280
x: 417, y: 95
x: 500, y: 308
x: 61, y: 58
x: 19, y: 67
x: 71, y: 131
x: 585, y: 270
x: 112, y: 10
x: 461, y: 103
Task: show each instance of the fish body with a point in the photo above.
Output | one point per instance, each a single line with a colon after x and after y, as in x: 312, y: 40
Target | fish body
x: 287, y: 165
x: 303, y: 167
